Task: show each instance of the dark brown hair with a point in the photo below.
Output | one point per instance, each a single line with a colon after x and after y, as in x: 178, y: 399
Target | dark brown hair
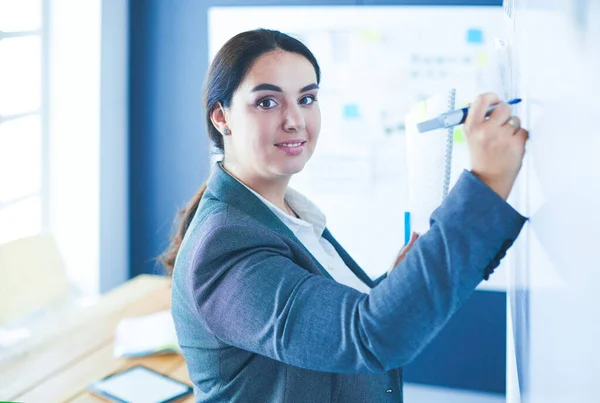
x: 228, y: 69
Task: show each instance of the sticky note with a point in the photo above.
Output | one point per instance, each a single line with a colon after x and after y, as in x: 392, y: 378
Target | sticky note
x: 459, y: 135
x: 371, y: 35
x: 420, y: 111
x: 475, y: 36
x: 351, y: 111
x: 482, y: 59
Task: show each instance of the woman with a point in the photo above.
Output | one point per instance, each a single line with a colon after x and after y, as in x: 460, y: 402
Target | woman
x: 267, y: 305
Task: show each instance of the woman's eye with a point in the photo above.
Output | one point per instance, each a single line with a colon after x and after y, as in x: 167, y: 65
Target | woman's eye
x: 307, y: 100
x: 267, y: 103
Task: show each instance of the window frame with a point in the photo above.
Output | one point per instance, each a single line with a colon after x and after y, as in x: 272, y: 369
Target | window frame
x: 42, y: 112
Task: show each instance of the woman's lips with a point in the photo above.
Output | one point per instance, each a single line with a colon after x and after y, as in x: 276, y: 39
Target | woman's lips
x: 292, y: 147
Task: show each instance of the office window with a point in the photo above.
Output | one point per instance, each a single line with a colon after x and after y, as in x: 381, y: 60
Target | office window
x: 22, y: 122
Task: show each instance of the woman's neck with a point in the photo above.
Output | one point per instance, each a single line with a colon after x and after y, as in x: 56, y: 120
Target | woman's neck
x: 271, y: 189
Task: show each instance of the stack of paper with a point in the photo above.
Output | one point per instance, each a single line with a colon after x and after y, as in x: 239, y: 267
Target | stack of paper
x: 145, y: 335
x: 426, y: 161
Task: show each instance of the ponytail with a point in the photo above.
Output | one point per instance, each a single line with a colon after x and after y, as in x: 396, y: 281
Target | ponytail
x: 183, y: 221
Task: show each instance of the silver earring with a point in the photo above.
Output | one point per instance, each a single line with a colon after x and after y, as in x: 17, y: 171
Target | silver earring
x: 227, y: 132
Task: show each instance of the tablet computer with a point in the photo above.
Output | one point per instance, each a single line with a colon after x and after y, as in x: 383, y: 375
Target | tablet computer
x: 140, y: 385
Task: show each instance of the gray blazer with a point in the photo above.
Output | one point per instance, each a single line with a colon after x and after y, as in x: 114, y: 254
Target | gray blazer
x: 260, y: 320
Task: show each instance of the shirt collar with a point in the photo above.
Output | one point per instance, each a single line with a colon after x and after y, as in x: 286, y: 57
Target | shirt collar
x: 310, y: 214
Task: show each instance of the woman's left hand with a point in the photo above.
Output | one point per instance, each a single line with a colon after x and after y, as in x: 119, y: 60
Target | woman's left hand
x: 413, y: 237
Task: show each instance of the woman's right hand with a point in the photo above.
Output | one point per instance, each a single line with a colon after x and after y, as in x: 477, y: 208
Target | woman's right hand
x: 496, y: 145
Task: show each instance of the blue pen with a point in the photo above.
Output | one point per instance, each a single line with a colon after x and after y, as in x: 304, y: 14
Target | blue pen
x: 406, y: 227
x: 455, y: 118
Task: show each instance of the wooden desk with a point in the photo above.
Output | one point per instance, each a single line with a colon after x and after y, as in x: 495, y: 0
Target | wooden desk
x: 59, y: 369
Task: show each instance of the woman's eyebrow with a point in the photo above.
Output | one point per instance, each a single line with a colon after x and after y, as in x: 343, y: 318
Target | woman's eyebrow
x: 310, y: 87
x: 272, y: 87
x: 266, y: 87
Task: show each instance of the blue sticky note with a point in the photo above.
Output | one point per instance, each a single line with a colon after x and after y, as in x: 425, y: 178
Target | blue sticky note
x: 474, y: 35
x: 351, y: 111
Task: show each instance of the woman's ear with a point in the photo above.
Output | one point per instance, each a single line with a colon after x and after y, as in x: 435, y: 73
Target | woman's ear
x: 218, y: 118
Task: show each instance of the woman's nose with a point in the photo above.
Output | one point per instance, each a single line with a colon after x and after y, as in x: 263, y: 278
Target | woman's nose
x: 294, y: 119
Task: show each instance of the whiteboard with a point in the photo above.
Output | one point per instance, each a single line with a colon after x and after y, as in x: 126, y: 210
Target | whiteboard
x: 554, y: 303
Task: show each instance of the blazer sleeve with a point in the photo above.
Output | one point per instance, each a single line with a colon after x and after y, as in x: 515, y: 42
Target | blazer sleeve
x: 253, y: 297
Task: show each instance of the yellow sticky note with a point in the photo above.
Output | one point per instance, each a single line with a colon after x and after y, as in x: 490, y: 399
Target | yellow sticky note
x: 459, y: 135
x: 420, y: 111
x: 371, y: 35
x: 482, y: 60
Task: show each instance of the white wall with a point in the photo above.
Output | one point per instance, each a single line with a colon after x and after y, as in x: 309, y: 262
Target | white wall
x: 88, y: 139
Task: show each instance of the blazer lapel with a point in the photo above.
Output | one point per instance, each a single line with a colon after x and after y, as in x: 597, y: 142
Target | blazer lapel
x: 352, y: 265
x: 227, y: 189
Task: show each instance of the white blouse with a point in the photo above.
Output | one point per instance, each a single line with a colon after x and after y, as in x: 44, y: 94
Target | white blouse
x: 309, y: 230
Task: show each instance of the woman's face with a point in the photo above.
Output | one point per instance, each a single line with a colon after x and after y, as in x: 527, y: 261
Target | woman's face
x: 274, y: 117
